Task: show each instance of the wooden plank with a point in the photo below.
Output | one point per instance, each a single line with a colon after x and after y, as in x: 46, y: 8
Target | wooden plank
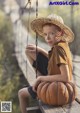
x: 50, y: 109
x: 32, y: 108
x: 76, y: 58
x: 78, y: 90
x: 76, y: 80
x: 73, y: 108
x: 76, y: 71
x: 76, y: 65
x: 78, y: 98
x: 78, y: 95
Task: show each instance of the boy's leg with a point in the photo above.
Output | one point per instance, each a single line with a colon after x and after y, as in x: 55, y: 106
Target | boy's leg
x: 32, y: 57
x: 23, y: 95
x: 42, y: 62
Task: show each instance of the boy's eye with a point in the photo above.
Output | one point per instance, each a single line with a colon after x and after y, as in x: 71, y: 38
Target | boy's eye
x: 52, y: 33
x: 45, y: 34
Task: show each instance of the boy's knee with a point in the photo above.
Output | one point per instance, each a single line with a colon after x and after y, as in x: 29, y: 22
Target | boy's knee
x: 22, y: 93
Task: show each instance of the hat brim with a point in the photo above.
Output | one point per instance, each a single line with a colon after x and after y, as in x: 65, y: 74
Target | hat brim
x: 37, y: 26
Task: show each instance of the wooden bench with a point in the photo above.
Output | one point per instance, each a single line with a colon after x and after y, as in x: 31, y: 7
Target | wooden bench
x: 69, y: 108
x: 73, y: 108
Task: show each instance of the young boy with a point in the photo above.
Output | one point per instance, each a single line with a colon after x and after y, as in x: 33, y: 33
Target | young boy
x: 57, y: 63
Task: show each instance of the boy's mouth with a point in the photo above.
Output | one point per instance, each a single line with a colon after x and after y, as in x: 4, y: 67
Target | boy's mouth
x: 49, y: 42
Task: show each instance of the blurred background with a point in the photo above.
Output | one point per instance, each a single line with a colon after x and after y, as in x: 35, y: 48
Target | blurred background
x: 16, y: 34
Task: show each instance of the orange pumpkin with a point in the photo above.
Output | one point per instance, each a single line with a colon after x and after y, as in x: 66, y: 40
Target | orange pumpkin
x: 56, y: 93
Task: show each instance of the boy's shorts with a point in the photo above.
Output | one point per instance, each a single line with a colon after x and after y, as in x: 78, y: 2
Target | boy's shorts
x: 42, y: 63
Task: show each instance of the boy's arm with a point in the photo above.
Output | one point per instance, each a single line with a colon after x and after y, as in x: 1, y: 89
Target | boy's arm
x: 64, y: 76
x: 32, y: 48
x: 43, y: 51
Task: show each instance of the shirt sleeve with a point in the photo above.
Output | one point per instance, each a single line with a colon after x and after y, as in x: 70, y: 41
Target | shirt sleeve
x: 60, y: 56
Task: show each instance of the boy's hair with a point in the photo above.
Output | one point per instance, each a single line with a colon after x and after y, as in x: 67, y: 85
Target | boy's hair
x: 49, y: 24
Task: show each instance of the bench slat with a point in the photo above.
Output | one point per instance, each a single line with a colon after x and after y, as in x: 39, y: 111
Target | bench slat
x: 50, y: 109
x: 78, y: 99
x: 77, y: 80
x: 74, y: 108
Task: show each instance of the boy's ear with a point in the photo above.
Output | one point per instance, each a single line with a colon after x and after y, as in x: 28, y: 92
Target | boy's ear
x: 59, y: 33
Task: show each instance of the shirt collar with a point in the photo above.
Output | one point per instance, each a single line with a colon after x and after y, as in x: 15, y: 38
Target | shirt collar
x: 54, y: 46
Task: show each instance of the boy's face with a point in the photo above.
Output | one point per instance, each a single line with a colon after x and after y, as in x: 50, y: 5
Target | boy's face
x: 50, y: 34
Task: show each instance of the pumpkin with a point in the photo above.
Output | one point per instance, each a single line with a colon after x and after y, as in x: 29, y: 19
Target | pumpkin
x: 56, y: 93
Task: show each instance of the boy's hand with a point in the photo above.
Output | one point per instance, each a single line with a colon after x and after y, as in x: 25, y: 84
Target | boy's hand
x: 38, y: 80
x: 31, y: 48
x: 31, y: 51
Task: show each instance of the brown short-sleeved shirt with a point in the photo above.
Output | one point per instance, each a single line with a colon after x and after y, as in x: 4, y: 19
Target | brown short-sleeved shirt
x: 59, y: 54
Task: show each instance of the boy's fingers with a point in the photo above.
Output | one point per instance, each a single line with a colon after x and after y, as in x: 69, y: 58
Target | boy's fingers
x: 34, y: 89
x: 29, y: 47
x: 28, y: 50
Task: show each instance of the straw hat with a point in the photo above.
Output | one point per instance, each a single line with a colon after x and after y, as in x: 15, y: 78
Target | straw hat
x: 37, y: 26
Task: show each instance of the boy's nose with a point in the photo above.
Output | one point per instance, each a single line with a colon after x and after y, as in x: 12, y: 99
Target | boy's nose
x: 47, y: 37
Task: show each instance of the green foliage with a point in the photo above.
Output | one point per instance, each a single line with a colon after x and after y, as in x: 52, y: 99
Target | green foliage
x: 9, y: 69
